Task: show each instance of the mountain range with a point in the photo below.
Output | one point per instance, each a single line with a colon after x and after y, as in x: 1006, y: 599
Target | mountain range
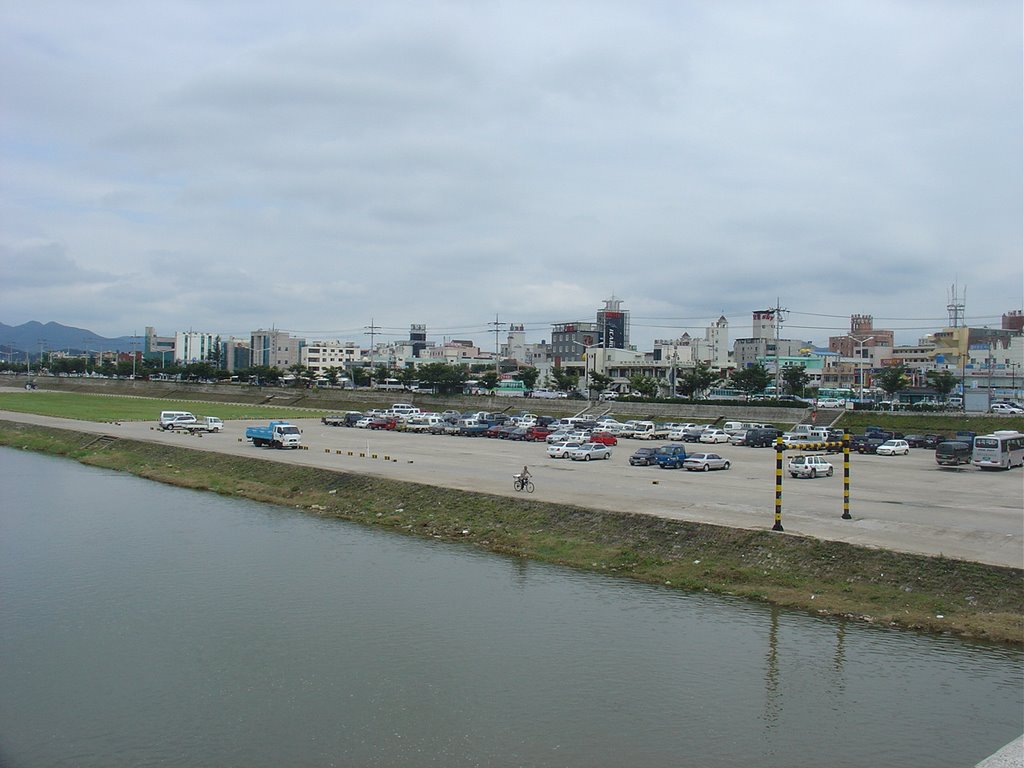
x: 35, y: 337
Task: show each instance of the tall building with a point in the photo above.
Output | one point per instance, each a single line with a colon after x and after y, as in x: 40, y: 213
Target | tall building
x: 195, y: 347
x: 613, y: 322
x: 275, y: 349
x: 418, y: 339
x: 862, y: 334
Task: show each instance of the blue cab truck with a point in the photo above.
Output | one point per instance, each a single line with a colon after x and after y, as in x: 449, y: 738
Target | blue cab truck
x: 277, y: 434
x: 670, y: 456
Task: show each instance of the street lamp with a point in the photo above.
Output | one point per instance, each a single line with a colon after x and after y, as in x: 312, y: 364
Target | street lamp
x: 860, y: 368
x: 586, y: 364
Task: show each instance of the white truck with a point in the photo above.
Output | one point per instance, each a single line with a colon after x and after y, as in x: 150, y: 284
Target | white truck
x: 202, y: 424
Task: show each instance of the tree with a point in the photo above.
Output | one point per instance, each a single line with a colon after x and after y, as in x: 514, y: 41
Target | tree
x: 529, y: 377
x: 754, y: 378
x: 891, y: 379
x: 796, y: 378
x: 944, y: 382
x: 647, y: 386
x: 444, y: 378
x: 380, y: 373
x: 361, y: 376
x: 331, y: 374
x: 564, y: 380
x: 599, y: 381
x: 694, y: 382
x: 489, y: 379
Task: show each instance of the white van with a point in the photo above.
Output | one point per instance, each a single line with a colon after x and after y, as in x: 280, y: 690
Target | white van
x: 169, y: 418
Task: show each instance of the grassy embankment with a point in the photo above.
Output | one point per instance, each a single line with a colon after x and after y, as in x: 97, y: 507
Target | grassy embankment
x: 827, y: 578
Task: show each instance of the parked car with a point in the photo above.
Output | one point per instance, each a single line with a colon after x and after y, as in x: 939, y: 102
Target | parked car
x: 537, y: 432
x: 604, y: 438
x: 865, y: 443
x: 810, y: 466
x: 915, y: 441
x: 704, y: 462
x: 831, y: 402
x: 1005, y: 408
x: 692, y: 435
x: 670, y: 456
x: 643, y: 457
x: 893, y: 448
x: 932, y: 441
x: 714, y: 436
x: 952, y: 453
x: 589, y: 451
x: 561, y: 450
x: 763, y: 437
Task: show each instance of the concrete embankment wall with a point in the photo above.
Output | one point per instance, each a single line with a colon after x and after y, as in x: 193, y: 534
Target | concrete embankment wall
x: 339, y: 399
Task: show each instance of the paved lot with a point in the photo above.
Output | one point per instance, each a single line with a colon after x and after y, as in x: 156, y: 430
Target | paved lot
x: 905, y: 503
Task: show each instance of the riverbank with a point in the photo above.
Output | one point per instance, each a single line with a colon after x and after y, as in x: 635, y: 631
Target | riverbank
x: 933, y: 594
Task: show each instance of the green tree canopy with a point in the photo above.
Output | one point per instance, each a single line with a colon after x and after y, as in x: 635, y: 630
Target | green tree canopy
x: 696, y: 381
x: 647, y: 386
x: 564, y: 379
x: 750, y: 380
x: 891, y: 379
x: 943, y: 381
x: 796, y: 378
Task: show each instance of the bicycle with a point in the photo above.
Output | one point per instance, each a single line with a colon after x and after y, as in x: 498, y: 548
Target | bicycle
x: 521, y: 483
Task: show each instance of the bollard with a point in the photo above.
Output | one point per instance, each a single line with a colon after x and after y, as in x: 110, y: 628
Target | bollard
x: 846, y: 475
x: 780, y: 447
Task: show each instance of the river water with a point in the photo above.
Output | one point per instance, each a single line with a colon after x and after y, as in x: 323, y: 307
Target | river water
x: 143, y: 625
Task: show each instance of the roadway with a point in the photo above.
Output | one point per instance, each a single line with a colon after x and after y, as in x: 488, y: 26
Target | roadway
x: 903, y: 503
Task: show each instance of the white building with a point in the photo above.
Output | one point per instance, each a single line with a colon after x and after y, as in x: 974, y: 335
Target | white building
x: 319, y: 356
x: 275, y: 349
x: 195, y: 347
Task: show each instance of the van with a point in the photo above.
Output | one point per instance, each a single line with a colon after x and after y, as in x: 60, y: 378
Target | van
x: 952, y: 453
x: 168, y: 418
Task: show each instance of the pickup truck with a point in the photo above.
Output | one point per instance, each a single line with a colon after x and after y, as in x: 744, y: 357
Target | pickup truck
x: 346, y: 419
x: 202, y: 424
x: 277, y: 434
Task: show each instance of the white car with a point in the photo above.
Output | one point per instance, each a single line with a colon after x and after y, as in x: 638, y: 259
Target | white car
x: 810, y: 466
x: 1005, y: 408
x: 589, y: 451
x: 893, y: 448
x: 831, y: 402
x: 714, y: 436
x: 561, y: 450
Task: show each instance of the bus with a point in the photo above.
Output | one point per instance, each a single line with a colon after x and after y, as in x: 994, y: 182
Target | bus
x: 1000, y: 450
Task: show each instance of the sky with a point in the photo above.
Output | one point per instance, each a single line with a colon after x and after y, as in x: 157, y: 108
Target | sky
x: 322, y: 166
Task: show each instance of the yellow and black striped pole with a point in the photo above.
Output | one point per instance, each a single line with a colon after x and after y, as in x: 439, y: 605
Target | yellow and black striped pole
x: 779, y: 448
x: 846, y: 475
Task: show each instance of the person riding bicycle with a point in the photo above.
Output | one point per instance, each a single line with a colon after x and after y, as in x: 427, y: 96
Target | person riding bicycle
x: 524, y: 475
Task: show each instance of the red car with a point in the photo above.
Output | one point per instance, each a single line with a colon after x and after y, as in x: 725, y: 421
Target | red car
x: 383, y: 423
x: 537, y: 433
x: 604, y: 438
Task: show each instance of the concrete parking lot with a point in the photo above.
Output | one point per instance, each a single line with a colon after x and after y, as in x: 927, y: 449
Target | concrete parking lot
x: 905, y: 503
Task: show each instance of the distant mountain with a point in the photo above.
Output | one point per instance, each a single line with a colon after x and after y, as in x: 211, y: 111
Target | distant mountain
x: 33, y: 337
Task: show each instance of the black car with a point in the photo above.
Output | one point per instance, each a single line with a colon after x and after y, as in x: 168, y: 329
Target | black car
x: 932, y: 441
x: 762, y: 438
x: 643, y: 457
x: 915, y: 441
x: 866, y: 443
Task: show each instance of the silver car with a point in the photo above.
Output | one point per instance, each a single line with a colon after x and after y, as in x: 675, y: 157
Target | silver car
x: 704, y: 462
x: 589, y: 451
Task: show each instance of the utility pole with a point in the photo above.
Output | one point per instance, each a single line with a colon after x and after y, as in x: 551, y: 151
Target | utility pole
x: 497, y: 359
x: 778, y: 329
x: 372, y: 330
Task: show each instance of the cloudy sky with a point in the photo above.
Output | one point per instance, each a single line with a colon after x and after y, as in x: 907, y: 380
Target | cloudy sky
x: 322, y: 165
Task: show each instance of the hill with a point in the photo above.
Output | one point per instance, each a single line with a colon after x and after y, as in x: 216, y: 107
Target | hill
x: 33, y: 337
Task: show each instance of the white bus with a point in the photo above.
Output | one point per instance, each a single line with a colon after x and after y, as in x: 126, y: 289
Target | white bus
x: 1000, y: 450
